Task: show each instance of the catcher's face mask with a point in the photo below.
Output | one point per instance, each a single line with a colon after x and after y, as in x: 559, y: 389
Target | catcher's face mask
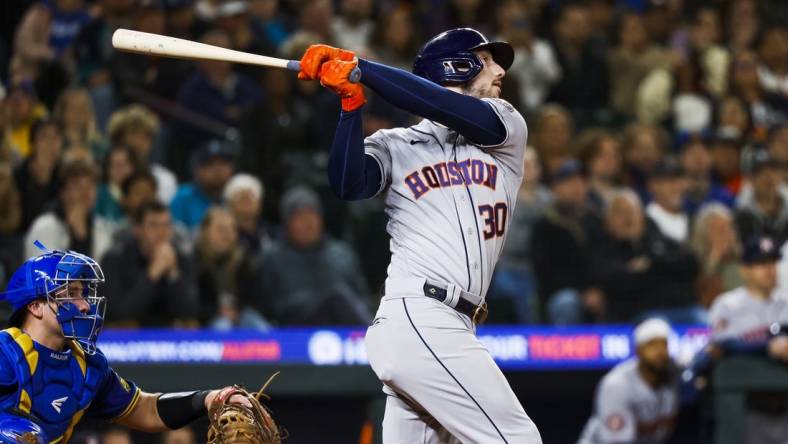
x: 74, y: 291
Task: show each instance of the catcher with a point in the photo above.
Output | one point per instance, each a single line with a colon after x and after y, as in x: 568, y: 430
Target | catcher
x: 52, y: 372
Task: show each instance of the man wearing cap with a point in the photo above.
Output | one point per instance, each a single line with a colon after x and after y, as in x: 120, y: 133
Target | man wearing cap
x: 764, y: 211
x: 667, y: 184
x: 637, y: 401
x: 560, y: 251
x: 213, y: 166
x: 332, y: 291
x: 753, y: 319
x: 747, y: 313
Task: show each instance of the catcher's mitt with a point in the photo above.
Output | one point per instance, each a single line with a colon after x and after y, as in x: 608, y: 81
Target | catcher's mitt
x: 233, y: 423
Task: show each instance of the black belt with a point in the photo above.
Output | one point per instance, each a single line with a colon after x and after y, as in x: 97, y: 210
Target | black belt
x: 477, y: 313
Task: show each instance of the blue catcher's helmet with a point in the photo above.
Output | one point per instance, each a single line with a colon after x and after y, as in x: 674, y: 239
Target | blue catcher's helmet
x: 18, y: 430
x: 48, y: 276
x: 448, y: 57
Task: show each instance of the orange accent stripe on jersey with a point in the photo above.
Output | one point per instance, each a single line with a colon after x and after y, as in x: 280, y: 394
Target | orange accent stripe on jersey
x: 134, y: 400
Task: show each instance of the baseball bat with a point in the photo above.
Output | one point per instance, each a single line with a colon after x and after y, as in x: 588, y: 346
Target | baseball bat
x: 161, y: 45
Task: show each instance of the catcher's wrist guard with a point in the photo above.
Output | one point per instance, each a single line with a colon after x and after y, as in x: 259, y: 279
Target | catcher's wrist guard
x: 178, y: 410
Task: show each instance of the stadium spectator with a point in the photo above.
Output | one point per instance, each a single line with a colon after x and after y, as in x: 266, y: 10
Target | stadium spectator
x: 560, y: 251
x: 696, y: 160
x: 666, y: 185
x: 535, y: 66
x: 36, y: 177
x: 600, y: 153
x: 47, y: 32
x: 269, y: 21
x: 643, y: 146
x: 767, y: 109
x: 151, y: 281
x: 631, y: 61
x: 234, y: 18
x: 139, y: 188
x: 216, y: 92
x: 93, y: 53
x: 641, y: 272
x: 333, y: 292
x: 138, y: 76
x: 704, y: 43
x: 10, y: 202
x: 274, y: 129
x: 725, y: 147
x: 244, y: 196
x: 717, y: 247
x: 638, y: 400
x: 396, y: 38
x: 514, y: 278
x: 72, y: 224
x: 773, y: 54
x: 22, y: 109
x: 764, y: 212
x: 74, y: 110
x: 228, y: 275
x: 353, y: 28
x: 118, y: 166
x: 743, y: 23
x: 551, y: 137
x: 137, y: 127
x: 213, y: 168
x: 734, y: 116
x: 182, y: 21
x: 691, y: 106
x: 581, y: 65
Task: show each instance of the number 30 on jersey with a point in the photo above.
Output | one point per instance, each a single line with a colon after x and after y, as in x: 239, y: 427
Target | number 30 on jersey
x: 494, y: 219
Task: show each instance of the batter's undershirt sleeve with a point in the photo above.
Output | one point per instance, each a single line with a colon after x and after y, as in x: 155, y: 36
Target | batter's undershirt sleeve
x: 471, y: 117
x: 352, y: 174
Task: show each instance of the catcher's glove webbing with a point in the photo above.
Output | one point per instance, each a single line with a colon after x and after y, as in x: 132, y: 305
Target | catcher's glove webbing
x: 233, y: 423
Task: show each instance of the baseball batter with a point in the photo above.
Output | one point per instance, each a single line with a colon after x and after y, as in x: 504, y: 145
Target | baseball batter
x: 450, y: 184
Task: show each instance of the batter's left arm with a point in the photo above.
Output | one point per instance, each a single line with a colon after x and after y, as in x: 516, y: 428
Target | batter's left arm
x: 353, y: 175
x: 470, y: 116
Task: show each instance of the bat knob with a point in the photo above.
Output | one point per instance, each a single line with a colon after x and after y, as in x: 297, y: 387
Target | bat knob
x: 354, y: 77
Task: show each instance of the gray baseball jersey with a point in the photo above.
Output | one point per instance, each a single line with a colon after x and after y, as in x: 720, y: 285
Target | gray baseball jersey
x: 738, y: 314
x: 627, y: 409
x: 449, y: 202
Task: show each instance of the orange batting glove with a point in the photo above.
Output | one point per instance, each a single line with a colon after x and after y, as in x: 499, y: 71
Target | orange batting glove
x: 334, y: 76
x: 316, y: 55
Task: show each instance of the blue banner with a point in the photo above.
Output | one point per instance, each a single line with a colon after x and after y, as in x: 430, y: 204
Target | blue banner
x: 513, y: 348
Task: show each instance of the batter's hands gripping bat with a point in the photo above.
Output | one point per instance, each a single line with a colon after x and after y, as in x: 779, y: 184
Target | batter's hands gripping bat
x: 164, y: 46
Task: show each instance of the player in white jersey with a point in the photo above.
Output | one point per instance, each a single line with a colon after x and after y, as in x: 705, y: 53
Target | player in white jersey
x: 450, y: 185
x: 752, y: 319
x: 747, y: 317
x: 637, y: 401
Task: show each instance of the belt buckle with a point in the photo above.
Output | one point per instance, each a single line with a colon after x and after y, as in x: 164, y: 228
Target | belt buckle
x: 480, y: 313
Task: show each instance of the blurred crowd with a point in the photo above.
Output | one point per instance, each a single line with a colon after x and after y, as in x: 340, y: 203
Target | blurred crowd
x: 658, y: 145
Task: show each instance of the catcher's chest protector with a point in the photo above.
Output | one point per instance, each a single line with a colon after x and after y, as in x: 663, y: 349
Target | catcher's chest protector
x: 54, y: 387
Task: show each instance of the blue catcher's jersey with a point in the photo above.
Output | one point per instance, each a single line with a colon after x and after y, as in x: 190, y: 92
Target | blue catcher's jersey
x: 58, y: 388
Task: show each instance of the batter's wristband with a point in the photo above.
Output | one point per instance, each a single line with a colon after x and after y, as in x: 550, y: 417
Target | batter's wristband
x: 177, y: 410
x: 353, y: 102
